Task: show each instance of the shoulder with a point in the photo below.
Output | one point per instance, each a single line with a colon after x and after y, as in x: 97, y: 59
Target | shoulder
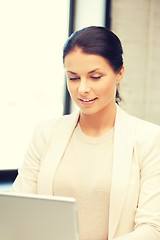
x: 143, y: 129
x: 145, y: 137
x: 146, y: 134
x: 45, y: 129
x: 147, y: 142
x: 48, y: 125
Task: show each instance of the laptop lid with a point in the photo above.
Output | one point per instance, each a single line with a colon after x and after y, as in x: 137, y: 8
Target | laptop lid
x: 35, y: 217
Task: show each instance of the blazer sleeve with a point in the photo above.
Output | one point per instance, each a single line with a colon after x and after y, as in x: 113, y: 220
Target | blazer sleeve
x: 26, y: 181
x: 147, y: 220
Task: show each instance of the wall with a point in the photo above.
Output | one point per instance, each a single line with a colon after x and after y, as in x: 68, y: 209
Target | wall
x: 137, y: 23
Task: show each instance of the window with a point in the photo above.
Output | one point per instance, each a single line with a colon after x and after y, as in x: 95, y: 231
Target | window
x: 31, y: 77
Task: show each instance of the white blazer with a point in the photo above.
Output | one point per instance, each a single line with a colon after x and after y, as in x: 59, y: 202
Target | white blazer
x: 135, y: 190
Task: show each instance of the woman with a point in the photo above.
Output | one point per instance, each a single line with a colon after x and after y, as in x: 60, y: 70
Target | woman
x: 107, y: 160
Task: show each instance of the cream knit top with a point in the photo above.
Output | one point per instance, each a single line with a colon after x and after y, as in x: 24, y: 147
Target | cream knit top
x: 85, y: 173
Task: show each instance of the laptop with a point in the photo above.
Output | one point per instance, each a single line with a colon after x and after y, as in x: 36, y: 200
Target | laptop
x: 36, y: 217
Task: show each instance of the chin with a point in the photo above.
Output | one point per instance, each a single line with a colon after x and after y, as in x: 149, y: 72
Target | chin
x: 103, y: 110
x: 89, y: 111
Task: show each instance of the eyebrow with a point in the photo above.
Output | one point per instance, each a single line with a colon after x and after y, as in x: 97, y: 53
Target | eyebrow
x: 71, y: 72
x: 88, y: 72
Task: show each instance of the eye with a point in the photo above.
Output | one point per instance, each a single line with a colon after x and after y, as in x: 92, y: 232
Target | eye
x: 96, y: 77
x: 73, y: 78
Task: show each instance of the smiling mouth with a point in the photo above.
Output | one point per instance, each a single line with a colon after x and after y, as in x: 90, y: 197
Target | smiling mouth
x: 87, y: 100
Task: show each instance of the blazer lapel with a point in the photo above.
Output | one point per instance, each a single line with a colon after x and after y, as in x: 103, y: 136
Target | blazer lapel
x: 59, y: 141
x: 122, y: 156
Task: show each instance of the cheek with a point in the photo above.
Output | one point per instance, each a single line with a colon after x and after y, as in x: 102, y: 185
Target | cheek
x: 108, y: 89
x: 71, y: 88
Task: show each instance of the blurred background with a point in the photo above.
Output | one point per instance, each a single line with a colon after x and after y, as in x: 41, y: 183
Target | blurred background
x: 32, y: 79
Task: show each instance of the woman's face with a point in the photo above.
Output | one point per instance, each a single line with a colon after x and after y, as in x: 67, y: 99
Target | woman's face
x: 91, y: 81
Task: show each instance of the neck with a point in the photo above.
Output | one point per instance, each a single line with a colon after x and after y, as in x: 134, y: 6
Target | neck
x: 98, y: 123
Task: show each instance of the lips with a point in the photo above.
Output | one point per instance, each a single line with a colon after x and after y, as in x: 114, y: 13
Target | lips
x: 87, y: 100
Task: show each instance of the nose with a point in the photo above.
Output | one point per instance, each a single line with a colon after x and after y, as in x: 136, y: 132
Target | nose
x: 83, y: 87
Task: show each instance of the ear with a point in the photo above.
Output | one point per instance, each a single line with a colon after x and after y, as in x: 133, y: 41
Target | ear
x: 120, y: 75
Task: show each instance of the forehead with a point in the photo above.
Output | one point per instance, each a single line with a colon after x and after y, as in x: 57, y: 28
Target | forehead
x: 77, y: 61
